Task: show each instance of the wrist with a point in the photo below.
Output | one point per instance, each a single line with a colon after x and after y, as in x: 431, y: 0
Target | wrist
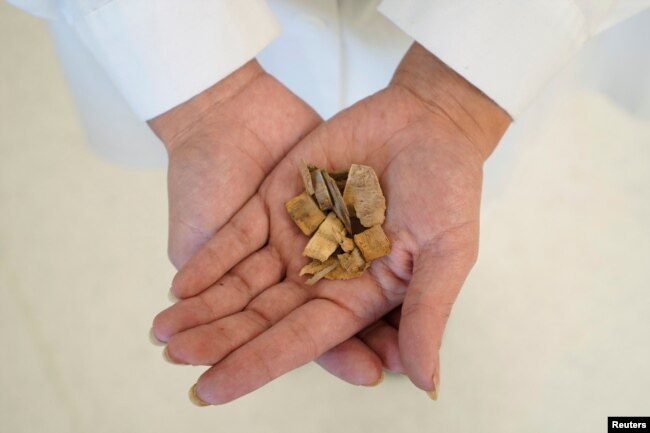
x: 174, y: 124
x: 446, y: 93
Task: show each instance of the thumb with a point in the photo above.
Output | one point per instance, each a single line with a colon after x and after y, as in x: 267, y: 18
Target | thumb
x: 437, y: 279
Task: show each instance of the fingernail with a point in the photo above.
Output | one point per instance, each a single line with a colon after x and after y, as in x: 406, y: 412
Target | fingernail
x: 166, y: 357
x: 194, y: 397
x: 379, y: 381
x: 433, y: 394
x: 153, y: 339
x: 172, y: 298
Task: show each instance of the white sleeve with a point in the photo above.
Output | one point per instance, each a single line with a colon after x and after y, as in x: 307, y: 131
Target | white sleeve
x: 509, y: 49
x: 160, y: 53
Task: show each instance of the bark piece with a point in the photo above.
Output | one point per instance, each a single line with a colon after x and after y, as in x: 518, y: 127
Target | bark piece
x: 331, y: 269
x: 305, y: 173
x: 347, y: 245
x: 316, y: 266
x: 305, y: 213
x: 321, y: 274
x: 338, y: 273
x: 372, y: 243
x: 352, y: 262
x: 321, y: 192
x: 340, y: 208
x: 325, y: 240
x: 340, y: 178
x: 363, y: 196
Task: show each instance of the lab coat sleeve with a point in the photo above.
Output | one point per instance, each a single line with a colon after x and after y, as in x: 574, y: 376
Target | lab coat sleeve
x: 509, y: 49
x: 160, y: 53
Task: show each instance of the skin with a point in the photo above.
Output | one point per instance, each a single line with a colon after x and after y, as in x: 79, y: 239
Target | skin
x: 247, y: 314
x: 221, y: 146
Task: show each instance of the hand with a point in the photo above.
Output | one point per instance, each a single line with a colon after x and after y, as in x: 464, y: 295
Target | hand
x: 248, y: 313
x: 221, y: 146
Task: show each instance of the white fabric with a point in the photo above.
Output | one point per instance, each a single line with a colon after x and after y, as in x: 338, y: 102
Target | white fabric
x: 510, y: 49
x: 160, y: 53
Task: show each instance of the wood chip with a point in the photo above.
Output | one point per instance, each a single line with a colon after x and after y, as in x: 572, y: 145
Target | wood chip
x: 340, y: 177
x: 324, y: 242
x: 338, y: 273
x: 352, y: 262
x: 316, y: 266
x: 340, y: 208
x: 306, y: 178
x: 321, y: 274
x: 305, y: 213
x: 363, y: 196
x: 347, y: 245
x: 321, y: 192
x: 373, y: 243
x: 342, y: 244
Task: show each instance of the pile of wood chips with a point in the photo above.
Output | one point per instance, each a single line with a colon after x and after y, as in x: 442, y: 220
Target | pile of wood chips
x: 346, y: 239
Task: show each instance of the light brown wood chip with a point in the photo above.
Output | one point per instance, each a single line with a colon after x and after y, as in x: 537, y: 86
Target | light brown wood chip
x: 325, y: 241
x: 340, y: 208
x: 373, y: 243
x: 349, y: 237
x: 320, y: 274
x: 352, y: 262
x: 316, y: 266
x: 363, y: 196
x: 338, y: 273
x: 321, y: 192
x: 306, y: 178
x: 305, y: 213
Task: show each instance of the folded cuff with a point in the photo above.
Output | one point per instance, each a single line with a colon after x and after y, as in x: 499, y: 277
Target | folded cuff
x: 509, y: 49
x: 160, y: 53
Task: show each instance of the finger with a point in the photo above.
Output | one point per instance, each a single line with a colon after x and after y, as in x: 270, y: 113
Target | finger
x: 354, y: 362
x: 430, y: 296
x: 302, y: 336
x: 245, y: 233
x: 225, y: 297
x: 381, y: 339
x: 210, y: 343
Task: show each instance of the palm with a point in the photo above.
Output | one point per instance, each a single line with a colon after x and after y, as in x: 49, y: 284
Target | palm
x: 219, y: 163
x: 259, y: 320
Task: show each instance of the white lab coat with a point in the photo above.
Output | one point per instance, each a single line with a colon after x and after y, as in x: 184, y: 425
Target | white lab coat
x: 130, y: 60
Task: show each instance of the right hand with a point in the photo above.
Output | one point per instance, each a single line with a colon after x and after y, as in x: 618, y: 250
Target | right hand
x: 221, y: 145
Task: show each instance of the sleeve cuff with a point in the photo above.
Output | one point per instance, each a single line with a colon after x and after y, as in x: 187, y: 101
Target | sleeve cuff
x: 509, y: 49
x: 160, y: 53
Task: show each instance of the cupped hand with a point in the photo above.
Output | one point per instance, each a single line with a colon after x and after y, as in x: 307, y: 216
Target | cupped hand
x: 221, y: 145
x: 246, y: 311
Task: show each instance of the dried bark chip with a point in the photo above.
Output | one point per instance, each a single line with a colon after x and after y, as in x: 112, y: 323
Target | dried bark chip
x: 338, y: 273
x: 325, y: 241
x: 340, y: 178
x: 352, y: 262
x: 340, y: 208
x: 321, y: 274
x: 321, y: 192
x: 316, y: 266
x: 373, y: 243
x: 305, y: 213
x: 363, y: 196
x: 306, y: 178
x: 347, y: 245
